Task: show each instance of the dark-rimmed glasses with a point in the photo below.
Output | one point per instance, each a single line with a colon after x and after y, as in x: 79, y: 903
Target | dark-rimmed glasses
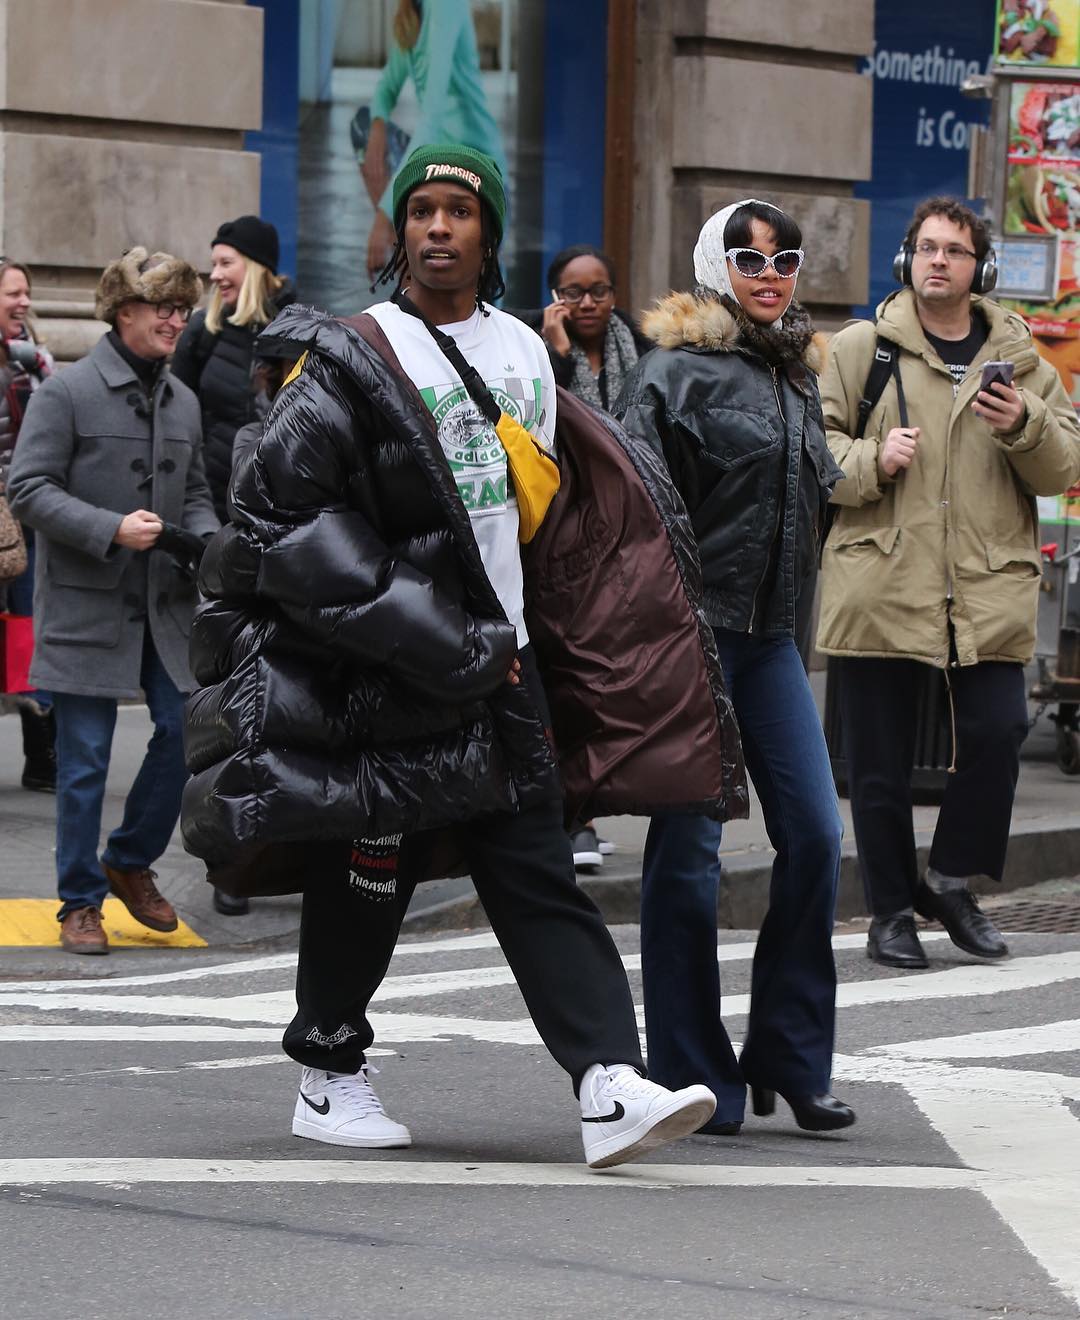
x: 752, y: 263
x: 164, y: 310
x: 573, y: 293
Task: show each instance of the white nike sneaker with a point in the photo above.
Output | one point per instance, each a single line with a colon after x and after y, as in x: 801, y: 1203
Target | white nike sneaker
x: 624, y: 1115
x: 343, y: 1110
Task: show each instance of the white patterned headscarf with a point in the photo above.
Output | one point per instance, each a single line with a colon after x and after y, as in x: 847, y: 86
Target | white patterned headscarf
x: 710, y: 254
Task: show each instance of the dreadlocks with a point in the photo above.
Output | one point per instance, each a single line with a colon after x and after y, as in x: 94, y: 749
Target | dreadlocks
x: 489, y: 287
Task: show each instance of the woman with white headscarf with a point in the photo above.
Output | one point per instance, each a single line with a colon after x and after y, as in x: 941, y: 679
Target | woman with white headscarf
x: 730, y: 401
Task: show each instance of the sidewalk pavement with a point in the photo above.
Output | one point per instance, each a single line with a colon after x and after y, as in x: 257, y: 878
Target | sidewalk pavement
x: 1045, y: 845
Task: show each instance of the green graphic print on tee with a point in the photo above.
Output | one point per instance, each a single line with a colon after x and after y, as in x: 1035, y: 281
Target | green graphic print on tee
x: 473, y: 450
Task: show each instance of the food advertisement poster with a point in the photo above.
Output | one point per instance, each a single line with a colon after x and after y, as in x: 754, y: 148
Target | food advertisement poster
x: 1043, y: 197
x: 1044, y: 158
x: 1039, y: 32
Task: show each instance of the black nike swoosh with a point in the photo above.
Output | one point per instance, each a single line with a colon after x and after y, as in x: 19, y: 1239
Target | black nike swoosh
x: 324, y: 1108
x: 617, y: 1113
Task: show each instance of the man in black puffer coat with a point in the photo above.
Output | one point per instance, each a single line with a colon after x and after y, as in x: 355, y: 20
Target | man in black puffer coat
x: 372, y: 686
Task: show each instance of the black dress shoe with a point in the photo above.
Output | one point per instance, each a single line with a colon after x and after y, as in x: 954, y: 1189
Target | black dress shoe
x: 813, y: 1113
x: 969, y: 927
x: 229, y: 906
x: 892, y: 941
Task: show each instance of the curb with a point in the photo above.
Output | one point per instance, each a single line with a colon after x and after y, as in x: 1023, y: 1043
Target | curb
x: 1036, y: 854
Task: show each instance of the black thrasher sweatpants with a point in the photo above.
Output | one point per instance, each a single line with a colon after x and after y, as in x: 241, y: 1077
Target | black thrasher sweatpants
x: 561, y: 954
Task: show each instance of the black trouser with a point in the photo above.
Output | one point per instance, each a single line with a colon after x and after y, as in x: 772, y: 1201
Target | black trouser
x: 878, y: 701
x: 562, y: 956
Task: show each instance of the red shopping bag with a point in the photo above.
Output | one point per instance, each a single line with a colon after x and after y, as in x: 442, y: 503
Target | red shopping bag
x: 15, y: 653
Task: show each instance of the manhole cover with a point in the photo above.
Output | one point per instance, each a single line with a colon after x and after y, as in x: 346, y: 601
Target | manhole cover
x: 1060, y: 917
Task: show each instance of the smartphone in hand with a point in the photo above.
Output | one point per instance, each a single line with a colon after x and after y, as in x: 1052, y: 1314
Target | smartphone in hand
x: 996, y: 371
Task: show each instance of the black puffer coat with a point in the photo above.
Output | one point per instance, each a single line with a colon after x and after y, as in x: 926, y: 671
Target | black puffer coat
x: 219, y: 369
x: 355, y: 653
x: 745, y: 445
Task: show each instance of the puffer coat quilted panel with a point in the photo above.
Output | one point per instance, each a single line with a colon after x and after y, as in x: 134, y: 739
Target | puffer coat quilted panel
x: 353, y: 654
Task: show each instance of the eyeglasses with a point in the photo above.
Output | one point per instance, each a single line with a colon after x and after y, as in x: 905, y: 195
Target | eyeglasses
x: 164, y: 311
x: 953, y: 252
x: 573, y: 293
x: 751, y: 263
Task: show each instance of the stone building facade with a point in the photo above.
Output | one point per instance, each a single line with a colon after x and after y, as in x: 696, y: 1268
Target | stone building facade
x: 121, y: 123
x: 735, y: 98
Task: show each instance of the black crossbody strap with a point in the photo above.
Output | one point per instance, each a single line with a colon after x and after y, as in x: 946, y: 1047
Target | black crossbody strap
x: 470, y: 377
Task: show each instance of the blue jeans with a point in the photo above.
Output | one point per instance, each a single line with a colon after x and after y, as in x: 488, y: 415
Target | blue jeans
x: 789, y: 1037
x: 84, y: 733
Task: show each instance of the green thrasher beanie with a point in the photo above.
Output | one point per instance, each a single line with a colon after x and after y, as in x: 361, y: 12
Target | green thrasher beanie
x: 446, y: 161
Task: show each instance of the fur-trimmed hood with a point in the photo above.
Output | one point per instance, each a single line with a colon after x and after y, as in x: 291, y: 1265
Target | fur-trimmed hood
x: 686, y: 320
x: 139, y: 277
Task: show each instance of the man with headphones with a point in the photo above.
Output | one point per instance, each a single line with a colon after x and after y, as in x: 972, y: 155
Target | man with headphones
x: 947, y: 424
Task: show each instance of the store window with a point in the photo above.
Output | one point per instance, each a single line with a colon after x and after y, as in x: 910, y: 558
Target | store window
x: 521, y: 80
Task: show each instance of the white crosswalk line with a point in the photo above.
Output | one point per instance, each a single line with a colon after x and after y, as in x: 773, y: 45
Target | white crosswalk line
x: 1008, y: 1043
x: 277, y: 1006
x: 132, y: 1172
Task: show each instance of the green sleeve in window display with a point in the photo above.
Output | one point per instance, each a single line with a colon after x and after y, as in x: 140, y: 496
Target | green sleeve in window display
x: 445, y: 67
x: 390, y: 84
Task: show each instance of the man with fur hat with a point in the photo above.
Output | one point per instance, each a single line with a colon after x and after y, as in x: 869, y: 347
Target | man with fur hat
x: 109, y: 455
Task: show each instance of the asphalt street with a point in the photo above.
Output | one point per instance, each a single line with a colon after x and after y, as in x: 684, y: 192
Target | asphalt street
x: 147, y: 1167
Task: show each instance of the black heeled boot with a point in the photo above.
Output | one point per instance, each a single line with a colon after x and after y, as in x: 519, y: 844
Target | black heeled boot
x: 39, y: 749
x: 813, y: 1113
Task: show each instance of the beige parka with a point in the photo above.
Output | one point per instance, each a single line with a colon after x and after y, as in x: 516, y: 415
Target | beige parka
x: 954, y: 537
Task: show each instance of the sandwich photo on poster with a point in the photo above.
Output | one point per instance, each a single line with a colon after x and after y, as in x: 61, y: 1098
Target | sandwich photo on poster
x: 1039, y: 32
x: 1043, y: 194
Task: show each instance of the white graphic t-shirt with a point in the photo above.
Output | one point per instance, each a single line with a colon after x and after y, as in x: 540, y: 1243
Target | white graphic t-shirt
x: 514, y: 364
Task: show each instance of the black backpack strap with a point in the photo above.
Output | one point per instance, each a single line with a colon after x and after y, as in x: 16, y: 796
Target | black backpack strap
x: 886, y: 363
x: 901, y: 402
x: 470, y: 377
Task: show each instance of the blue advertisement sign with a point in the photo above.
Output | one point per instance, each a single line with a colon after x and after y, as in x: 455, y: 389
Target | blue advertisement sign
x: 923, y: 126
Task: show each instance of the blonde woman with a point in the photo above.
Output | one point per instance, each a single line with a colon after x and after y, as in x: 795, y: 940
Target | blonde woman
x: 216, y: 358
x: 216, y: 353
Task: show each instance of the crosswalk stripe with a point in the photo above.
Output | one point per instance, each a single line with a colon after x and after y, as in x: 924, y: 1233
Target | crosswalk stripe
x: 45, y: 1172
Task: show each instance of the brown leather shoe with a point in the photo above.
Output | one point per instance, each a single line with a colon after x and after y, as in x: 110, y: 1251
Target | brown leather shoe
x: 81, y: 931
x: 142, y: 898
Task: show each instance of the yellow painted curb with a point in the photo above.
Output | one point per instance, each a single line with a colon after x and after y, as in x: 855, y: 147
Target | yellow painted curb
x: 31, y: 922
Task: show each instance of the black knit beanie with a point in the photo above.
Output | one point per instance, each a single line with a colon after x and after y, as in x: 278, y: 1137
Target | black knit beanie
x: 255, y: 238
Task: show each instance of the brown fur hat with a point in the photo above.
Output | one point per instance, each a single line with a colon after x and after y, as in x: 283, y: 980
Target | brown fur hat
x: 137, y: 277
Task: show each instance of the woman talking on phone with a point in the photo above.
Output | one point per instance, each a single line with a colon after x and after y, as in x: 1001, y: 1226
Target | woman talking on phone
x: 593, y: 345
x: 730, y: 401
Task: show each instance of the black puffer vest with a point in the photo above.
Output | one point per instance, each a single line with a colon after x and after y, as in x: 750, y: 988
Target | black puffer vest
x: 218, y: 368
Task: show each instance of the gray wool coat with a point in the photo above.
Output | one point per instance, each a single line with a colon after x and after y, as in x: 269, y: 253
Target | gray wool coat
x: 92, y: 449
